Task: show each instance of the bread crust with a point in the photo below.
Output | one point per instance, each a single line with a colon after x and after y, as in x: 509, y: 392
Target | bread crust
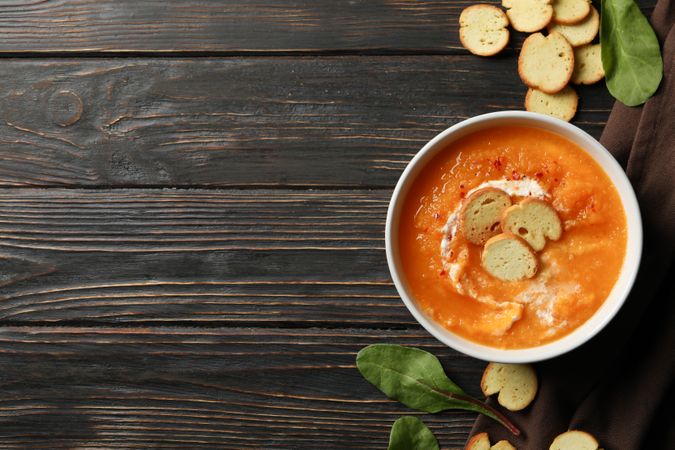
x: 466, y: 25
x: 562, y: 105
x: 480, y: 441
x: 503, y: 378
x: 533, y: 242
x: 503, y: 445
x: 580, y: 33
x: 520, y: 14
x: 551, y: 71
x: 489, y: 246
x: 574, y: 440
x: 569, y: 12
x: 587, y: 65
x: 467, y: 222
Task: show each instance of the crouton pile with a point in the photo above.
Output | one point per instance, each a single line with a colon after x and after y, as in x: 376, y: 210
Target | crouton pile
x: 547, y: 64
x: 511, y: 235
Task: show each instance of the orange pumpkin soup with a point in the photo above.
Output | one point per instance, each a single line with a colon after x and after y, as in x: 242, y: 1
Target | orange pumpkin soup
x: 576, y: 273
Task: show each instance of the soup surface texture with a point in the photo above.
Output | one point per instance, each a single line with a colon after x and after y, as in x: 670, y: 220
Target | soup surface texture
x: 576, y: 273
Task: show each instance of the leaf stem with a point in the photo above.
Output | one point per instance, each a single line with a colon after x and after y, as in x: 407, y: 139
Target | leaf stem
x: 494, y: 414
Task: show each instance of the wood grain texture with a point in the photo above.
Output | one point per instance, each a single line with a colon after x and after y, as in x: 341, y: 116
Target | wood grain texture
x: 66, y: 388
x: 330, y: 121
x: 226, y: 314
x: 233, y: 26
x: 263, y: 258
x: 216, y: 25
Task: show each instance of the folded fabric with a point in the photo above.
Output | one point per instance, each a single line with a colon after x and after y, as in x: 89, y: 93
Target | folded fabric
x: 620, y: 386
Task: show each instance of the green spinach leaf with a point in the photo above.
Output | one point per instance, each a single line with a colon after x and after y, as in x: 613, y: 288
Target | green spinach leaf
x: 416, y: 379
x: 410, y: 433
x: 630, y: 51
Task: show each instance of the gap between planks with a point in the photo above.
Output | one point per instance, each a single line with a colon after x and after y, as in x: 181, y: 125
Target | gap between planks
x: 204, y: 187
x: 210, y: 325
x: 172, y: 54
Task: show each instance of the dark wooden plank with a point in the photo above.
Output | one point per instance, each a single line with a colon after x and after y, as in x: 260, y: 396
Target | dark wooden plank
x: 232, y: 26
x: 67, y: 388
x: 332, y: 121
x: 267, y: 258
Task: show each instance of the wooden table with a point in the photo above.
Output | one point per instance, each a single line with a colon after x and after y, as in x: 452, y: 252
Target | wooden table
x: 192, y: 211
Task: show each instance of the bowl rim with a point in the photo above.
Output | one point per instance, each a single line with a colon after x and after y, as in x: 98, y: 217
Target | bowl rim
x: 627, y: 274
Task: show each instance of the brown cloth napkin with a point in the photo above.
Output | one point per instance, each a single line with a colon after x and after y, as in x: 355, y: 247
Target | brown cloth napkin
x: 620, y: 386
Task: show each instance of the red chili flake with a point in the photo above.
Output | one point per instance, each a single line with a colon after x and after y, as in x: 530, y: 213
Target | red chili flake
x: 461, y: 186
x: 436, y: 216
x: 497, y: 163
x: 462, y: 194
x: 538, y: 174
x: 442, y: 273
x: 515, y: 175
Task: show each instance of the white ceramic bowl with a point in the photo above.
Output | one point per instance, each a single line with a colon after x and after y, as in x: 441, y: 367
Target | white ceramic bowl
x: 628, y: 271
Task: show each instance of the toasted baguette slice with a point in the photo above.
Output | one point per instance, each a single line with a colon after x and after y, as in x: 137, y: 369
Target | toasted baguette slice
x: 574, y: 440
x: 480, y: 441
x: 503, y: 445
x: 562, y: 105
x: 528, y: 15
x: 546, y: 63
x: 587, y: 65
x: 481, y: 214
x: 569, y: 12
x: 580, y: 33
x: 516, y: 383
x: 509, y: 258
x: 482, y: 29
x: 533, y: 220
